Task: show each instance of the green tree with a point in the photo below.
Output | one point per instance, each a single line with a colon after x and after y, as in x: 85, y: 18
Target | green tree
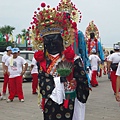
x: 1, y: 37
x: 7, y: 29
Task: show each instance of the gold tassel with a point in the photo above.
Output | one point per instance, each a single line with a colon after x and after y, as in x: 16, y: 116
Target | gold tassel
x: 39, y: 96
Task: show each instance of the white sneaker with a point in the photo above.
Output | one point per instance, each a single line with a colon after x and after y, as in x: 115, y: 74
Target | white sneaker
x: 22, y: 100
x: 1, y: 97
x: 4, y: 97
x: 8, y: 100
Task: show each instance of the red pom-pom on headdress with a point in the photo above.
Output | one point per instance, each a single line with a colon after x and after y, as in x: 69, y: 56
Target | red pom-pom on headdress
x: 43, y: 5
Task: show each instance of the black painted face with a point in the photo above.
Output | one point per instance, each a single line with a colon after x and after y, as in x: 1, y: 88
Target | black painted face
x: 53, y: 43
x: 92, y: 35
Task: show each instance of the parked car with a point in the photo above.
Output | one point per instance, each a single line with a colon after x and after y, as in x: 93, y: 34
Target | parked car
x: 1, y: 70
x: 27, y: 55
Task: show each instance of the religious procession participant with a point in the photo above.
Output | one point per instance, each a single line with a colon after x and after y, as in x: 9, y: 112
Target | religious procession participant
x: 79, y: 44
x: 106, y: 54
x: 14, y: 68
x: 114, y: 59
x: 63, y: 82
x: 80, y: 49
x: 0, y: 96
x: 118, y: 83
x: 34, y: 73
x: 6, y: 77
x: 94, y: 62
x: 92, y: 36
x: 107, y: 60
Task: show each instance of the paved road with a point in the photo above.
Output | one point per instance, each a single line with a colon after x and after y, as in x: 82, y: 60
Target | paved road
x: 101, y: 105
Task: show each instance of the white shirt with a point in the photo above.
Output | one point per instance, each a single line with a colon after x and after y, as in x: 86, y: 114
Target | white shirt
x: 15, y: 69
x: 94, y: 59
x: 118, y: 70
x: 115, y: 57
x: 35, y: 67
x: 5, y: 57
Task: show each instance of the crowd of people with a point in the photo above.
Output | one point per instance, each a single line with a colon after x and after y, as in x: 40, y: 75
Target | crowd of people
x: 112, y: 58
x: 14, y: 67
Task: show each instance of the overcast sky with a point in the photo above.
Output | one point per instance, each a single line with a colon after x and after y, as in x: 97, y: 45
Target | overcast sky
x: 104, y: 13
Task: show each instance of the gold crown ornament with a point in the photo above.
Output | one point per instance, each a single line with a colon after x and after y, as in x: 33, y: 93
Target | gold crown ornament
x: 92, y: 28
x: 47, y: 21
x: 68, y: 7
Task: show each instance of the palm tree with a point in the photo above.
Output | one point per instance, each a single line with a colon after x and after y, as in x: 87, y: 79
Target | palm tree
x: 25, y: 34
x: 7, y: 29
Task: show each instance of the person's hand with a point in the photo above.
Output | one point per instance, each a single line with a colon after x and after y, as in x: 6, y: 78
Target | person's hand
x: 63, y: 79
x: 22, y: 73
x: 117, y: 97
x: 8, y: 73
x: 87, y: 70
x: 4, y: 72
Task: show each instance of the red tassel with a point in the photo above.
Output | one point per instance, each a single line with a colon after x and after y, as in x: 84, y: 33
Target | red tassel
x: 18, y: 39
x: 7, y: 37
x: 43, y: 103
x: 65, y: 104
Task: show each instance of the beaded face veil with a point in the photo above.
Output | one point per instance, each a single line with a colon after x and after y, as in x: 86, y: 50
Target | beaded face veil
x: 48, y: 20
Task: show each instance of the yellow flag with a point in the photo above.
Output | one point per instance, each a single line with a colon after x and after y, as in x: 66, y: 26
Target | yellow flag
x: 22, y: 40
x: 12, y: 39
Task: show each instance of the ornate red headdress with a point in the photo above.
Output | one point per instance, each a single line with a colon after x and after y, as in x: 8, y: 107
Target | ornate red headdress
x: 68, y: 7
x: 92, y: 28
x: 50, y: 21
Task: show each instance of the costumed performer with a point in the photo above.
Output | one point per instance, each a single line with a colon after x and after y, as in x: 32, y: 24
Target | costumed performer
x: 63, y: 82
x: 118, y: 84
x: 113, y: 62
x: 92, y: 36
x: 79, y: 44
